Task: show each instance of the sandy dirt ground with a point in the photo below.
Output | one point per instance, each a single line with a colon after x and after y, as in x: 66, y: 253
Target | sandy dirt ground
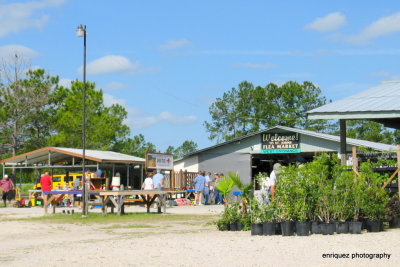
x: 188, y: 242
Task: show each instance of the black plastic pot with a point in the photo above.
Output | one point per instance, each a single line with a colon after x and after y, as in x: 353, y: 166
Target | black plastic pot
x: 355, y: 227
x: 374, y: 226
x: 240, y: 227
x: 256, y: 229
x: 342, y: 227
x: 269, y: 228
x: 316, y: 227
x: 233, y: 226
x: 288, y: 228
x: 394, y: 222
x: 278, y: 229
x: 228, y: 226
x: 303, y: 228
x: 328, y: 228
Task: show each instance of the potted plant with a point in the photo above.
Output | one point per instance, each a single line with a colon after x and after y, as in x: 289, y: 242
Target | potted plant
x: 284, y: 195
x: 343, y: 182
x: 355, y: 201
x: 256, y: 215
x: 375, y: 198
x: 223, y: 223
x: 269, y: 219
x: 393, y: 212
x: 234, y: 216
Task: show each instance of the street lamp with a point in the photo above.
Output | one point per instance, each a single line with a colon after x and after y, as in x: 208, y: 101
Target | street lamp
x: 81, y: 32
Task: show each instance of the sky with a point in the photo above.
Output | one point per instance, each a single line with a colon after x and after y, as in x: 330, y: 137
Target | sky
x: 166, y: 61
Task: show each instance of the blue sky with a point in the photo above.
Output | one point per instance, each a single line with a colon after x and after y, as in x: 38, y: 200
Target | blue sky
x: 166, y: 61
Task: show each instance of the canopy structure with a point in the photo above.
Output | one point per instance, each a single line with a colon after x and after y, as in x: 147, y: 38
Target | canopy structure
x: 60, y: 155
x: 380, y: 104
x: 130, y: 167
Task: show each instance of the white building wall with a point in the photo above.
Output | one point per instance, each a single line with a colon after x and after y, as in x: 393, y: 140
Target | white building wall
x: 189, y: 164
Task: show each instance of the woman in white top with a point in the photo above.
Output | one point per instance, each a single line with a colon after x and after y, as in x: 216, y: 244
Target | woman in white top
x: 148, y: 185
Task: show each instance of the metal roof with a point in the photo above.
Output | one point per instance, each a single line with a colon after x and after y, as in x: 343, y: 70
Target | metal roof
x: 350, y: 141
x: 379, y: 104
x: 58, y: 154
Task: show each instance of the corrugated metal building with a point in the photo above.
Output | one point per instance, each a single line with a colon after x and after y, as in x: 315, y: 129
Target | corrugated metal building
x: 257, y: 152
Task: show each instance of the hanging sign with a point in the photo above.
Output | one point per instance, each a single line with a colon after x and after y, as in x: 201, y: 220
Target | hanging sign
x: 273, y: 143
x: 159, y: 161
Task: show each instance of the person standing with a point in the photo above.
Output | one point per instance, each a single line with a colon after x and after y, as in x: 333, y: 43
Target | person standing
x: 207, y: 188
x: 8, y: 186
x: 158, y: 180
x: 272, y: 179
x: 217, y: 194
x: 199, y: 185
x: 148, y: 185
x: 45, y: 182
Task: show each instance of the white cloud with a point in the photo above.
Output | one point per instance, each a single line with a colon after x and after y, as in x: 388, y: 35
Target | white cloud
x: 110, y: 64
x: 116, y: 64
x: 136, y: 120
x: 328, y: 23
x: 386, y: 76
x: 8, y: 51
x: 254, y: 65
x: 383, y: 26
x: 174, y: 44
x: 18, y: 16
x: 115, y: 86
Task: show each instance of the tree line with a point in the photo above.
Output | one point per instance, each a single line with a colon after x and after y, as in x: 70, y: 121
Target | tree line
x: 248, y: 109
x: 36, y: 111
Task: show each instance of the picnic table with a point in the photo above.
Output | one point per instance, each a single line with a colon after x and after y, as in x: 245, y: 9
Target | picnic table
x: 55, y: 196
x: 116, y: 198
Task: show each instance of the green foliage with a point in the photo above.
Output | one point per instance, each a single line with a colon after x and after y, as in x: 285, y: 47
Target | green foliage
x: 104, y: 125
x: 256, y: 210
x: 375, y: 198
x: 136, y: 146
x: 268, y: 213
x: 246, y: 109
x: 186, y: 148
x: 225, y: 186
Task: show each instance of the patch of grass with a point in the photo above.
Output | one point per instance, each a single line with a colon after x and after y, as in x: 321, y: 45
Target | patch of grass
x: 98, y: 218
x: 129, y: 226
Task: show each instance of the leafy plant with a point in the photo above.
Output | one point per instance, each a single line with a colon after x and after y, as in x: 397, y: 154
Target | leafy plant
x: 225, y: 186
x: 375, y: 197
x: 256, y: 211
x: 269, y: 212
x: 393, y: 208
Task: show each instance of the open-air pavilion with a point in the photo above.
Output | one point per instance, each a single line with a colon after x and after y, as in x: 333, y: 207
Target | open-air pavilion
x: 379, y: 104
x: 70, y: 160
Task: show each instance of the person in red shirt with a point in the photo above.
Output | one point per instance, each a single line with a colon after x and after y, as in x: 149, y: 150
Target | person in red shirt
x: 45, y: 182
x: 7, y: 185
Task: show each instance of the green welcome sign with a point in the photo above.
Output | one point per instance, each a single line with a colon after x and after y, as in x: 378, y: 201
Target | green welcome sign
x: 273, y: 143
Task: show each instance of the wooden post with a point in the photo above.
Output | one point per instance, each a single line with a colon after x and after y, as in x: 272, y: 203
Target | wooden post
x: 355, y: 162
x: 343, y: 146
x: 398, y: 165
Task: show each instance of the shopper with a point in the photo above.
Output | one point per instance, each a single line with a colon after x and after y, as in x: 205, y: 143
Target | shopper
x: 199, y: 185
x: 8, y: 189
x: 207, y: 188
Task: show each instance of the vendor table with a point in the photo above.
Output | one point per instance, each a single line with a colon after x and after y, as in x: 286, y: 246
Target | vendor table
x: 117, y: 198
x: 54, y: 197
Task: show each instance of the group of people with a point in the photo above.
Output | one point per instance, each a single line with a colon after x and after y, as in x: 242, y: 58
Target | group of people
x: 205, y: 186
x: 153, y: 181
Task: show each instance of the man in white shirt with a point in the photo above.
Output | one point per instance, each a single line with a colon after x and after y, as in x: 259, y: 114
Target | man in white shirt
x: 207, y: 188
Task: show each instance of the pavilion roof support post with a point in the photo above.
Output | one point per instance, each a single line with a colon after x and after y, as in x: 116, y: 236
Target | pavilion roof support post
x: 355, y: 163
x: 398, y: 166
x: 4, y: 170
x: 73, y: 161
x: 113, y: 169
x: 141, y: 174
x: 343, y: 146
x: 127, y: 175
